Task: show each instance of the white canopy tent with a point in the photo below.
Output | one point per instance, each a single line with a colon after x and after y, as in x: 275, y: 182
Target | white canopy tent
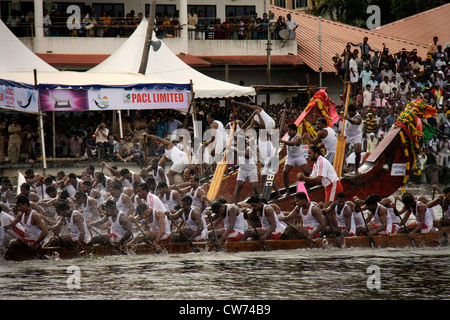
x: 24, y: 77
x: 164, y: 64
x: 17, y: 65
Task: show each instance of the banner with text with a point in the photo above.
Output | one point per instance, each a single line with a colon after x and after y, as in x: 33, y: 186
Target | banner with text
x: 112, y: 99
x: 19, y: 99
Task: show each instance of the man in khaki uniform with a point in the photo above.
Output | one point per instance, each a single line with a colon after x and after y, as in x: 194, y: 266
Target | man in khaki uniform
x: 14, y: 143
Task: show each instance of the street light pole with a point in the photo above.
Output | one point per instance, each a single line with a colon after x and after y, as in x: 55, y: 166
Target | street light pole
x: 320, y: 51
x: 270, y: 29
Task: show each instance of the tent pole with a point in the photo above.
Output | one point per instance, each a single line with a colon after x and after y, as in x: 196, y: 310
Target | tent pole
x: 54, y: 133
x: 41, y: 125
x: 120, y: 123
x: 148, y: 37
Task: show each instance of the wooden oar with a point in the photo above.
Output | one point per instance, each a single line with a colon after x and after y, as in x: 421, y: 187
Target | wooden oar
x: 274, y: 164
x: 341, y: 141
x: 147, y: 240
x: 114, y: 246
x: 214, y: 232
x: 220, y: 170
x: 264, y: 245
x: 338, y: 244
x: 193, y: 246
x: 444, y: 234
x: 303, y: 236
x: 371, y: 240
x: 413, y: 242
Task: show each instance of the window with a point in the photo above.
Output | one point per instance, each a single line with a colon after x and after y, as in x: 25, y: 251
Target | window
x: 62, y: 6
x: 162, y: 9
x: 301, y: 3
x: 208, y: 12
x: 239, y: 11
x: 280, y: 3
x: 111, y: 8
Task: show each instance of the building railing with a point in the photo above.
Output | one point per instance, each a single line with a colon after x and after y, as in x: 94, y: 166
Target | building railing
x: 122, y: 27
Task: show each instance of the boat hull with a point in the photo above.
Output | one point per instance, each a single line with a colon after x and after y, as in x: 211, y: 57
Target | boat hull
x: 431, y: 239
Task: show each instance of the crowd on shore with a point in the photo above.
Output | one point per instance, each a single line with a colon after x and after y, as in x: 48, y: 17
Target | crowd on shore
x: 384, y: 82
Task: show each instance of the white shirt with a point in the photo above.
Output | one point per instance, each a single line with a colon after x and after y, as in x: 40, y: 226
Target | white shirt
x: 324, y: 168
x: 291, y: 24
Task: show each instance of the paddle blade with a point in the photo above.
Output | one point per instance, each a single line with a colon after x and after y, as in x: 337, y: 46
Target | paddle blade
x: 339, y: 155
x: 302, y: 188
x: 216, y: 181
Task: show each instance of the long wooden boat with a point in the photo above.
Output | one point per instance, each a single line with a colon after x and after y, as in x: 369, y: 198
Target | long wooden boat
x: 431, y: 239
x: 384, y: 172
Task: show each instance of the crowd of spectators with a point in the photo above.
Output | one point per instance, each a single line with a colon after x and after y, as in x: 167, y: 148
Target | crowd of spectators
x: 384, y: 82
x: 118, y: 24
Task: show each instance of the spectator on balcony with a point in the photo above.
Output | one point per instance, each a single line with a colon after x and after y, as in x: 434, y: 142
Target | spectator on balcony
x: 291, y: 24
x: 257, y: 31
x: 13, y: 22
x: 47, y: 23
x: 201, y: 25
x: 211, y: 31
x: 175, y: 25
x: 264, y: 25
x: 192, y: 20
x: 280, y: 25
x: 102, y: 24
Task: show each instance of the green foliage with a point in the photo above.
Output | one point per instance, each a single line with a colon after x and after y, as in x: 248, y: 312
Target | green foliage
x: 353, y: 12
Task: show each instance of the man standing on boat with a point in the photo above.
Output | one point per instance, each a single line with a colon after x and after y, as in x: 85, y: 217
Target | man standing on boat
x: 35, y: 229
x: 311, y: 215
x: 179, y: 158
x: 232, y: 219
x: 246, y: 159
x: 295, y: 156
x: 326, y: 136
x: 353, y: 133
x: 195, y: 224
x: 219, y: 136
x: 271, y: 228
x: 322, y: 173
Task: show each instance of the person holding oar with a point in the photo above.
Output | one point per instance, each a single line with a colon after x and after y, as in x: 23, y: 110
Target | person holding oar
x: 341, y: 217
x: 31, y: 220
x: 195, y: 224
x: 78, y: 229
x: 120, y: 231
x: 382, y: 224
x: 156, y: 223
x: 271, y: 228
x: 444, y: 200
x: 234, y: 223
x: 424, y: 219
x: 311, y: 215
